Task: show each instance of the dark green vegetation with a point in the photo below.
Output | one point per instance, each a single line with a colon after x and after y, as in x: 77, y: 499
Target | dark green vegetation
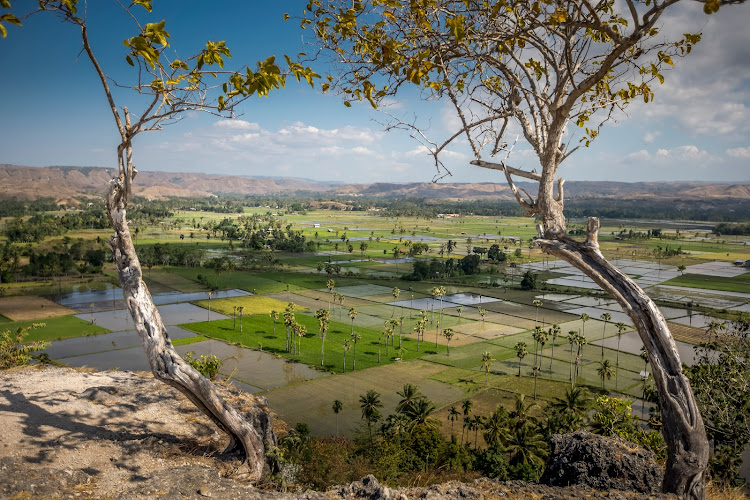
x: 411, y: 443
x: 281, y: 254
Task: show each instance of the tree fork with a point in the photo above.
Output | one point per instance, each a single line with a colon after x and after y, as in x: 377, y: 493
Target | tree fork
x: 683, y: 429
x: 249, y: 433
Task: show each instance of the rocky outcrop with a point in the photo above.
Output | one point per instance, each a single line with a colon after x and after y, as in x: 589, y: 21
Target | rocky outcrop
x: 602, y: 463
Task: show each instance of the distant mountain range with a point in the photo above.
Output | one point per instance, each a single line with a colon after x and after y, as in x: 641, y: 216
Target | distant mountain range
x: 66, y: 183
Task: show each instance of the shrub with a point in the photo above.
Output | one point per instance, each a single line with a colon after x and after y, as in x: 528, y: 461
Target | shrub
x: 208, y: 366
x: 12, y: 350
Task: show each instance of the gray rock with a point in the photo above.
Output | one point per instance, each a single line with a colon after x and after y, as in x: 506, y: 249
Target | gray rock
x: 602, y: 463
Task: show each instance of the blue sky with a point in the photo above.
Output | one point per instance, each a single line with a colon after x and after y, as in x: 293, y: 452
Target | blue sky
x: 54, y: 112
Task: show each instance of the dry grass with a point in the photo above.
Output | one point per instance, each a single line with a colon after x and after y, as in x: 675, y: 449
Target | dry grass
x: 716, y: 492
x: 27, y: 308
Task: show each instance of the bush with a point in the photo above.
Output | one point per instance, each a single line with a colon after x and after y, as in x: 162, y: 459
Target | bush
x: 529, y: 281
x: 208, y: 366
x: 13, y: 352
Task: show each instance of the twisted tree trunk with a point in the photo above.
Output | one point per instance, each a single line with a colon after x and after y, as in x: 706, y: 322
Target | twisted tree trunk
x: 683, y: 427
x: 249, y: 433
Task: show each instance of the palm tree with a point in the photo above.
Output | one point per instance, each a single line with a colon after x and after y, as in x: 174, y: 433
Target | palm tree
x: 274, y: 314
x: 324, y: 320
x: 526, y: 445
x: 400, y: 330
x: 241, y: 309
x: 369, y: 404
x: 409, y: 394
x: 482, y: 312
x: 537, y: 303
x: 554, y: 330
x: 448, y: 333
x: 572, y: 339
x: 347, y: 345
x: 337, y: 407
x: 495, y: 425
x: 536, y: 371
x: 537, y: 336
x: 453, y: 415
x: 621, y: 327
x: 584, y: 318
x: 387, y: 333
x: 521, y: 352
x: 209, y: 293
x: 300, y: 331
x: 356, y: 337
x: 487, y: 361
x: 606, y: 317
x: 605, y: 370
x: 580, y: 342
x: 574, y: 404
x: 419, y: 414
x: 289, y: 320
x: 477, y: 422
x: 522, y: 411
x: 396, y: 293
x: 352, y: 316
x: 466, y: 407
x: 329, y: 285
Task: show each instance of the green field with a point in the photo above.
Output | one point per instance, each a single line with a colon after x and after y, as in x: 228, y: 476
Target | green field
x: 258, y: 331
x: 62, y: 327
x: 739, y: 284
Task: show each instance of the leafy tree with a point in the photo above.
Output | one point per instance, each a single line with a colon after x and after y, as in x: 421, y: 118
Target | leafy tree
x: 13, y: 352
x: 409, y: 394
x: 544, y: 67
x: 170, y: 88
x: 528, y: 282
x: 721, y: 380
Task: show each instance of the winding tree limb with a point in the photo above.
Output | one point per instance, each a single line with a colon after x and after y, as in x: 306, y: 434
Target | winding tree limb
x: 684, y: 430
x: 249, y: 433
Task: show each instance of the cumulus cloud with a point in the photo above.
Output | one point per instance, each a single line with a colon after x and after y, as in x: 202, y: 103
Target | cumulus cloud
x: 651, y: 136
x: 236, y: 125
x: 739, y: 152
x: 707, y: 92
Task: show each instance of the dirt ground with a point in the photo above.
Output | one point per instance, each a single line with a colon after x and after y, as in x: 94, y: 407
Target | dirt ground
x: 28, y: 307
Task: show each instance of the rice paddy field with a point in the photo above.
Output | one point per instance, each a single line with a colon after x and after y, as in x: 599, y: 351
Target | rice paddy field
x: 487, y: 312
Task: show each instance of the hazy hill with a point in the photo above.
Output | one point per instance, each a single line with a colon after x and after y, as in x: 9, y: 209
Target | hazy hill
x: 64, y: 183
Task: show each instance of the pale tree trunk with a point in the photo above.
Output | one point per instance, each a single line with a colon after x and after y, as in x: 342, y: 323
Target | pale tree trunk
x: 683, y: 427
x: 250, y: 432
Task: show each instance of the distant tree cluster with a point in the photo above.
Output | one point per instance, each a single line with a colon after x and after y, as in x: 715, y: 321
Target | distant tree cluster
x: 39, y: 226
x: 732, y: 229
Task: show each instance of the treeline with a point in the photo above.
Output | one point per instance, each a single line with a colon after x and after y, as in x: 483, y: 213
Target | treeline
x: 732, y: 229
x: 39, y: 226
x: 722, y: 210
x: 69, y: 257
x: 18, y: 208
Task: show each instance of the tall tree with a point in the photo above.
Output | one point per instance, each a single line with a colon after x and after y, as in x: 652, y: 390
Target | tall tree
x: 370, y: 405
x: 171, y: 88
x: 521, y: 353
x: 606, y: 317
x: 324, y: 320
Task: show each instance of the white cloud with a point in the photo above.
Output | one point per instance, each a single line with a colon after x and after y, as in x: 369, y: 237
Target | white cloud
x: 651, y: 136
x: 236, y: 125
x: 683, y: 153
x: 739, y: 152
